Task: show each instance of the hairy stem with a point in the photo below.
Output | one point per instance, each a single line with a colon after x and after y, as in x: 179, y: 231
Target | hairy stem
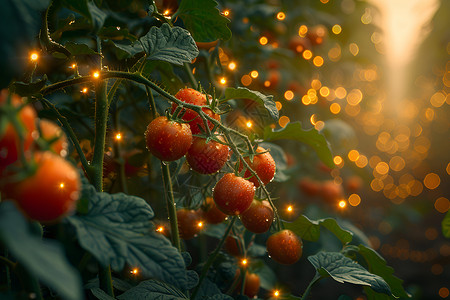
x: 171, y: 208
x: 316, y: 278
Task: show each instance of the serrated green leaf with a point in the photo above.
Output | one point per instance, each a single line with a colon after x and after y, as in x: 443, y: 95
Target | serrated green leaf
x: 204, y: 20
x: 79, y: 49
x: 44, y: 259
x: 27, y: 89
x: 100, y: 294
x: 116, y: 33
x: 117, y: 231
x: 344, y: 270
x: 152, y: 289
x: 311, y: 137
x: 171, y: 82
x: 446, y: 225
x: 377, y: 265
x: 244, y: 93
x: 310, y: 230
x: 123, y: 51
x: 174, y: 45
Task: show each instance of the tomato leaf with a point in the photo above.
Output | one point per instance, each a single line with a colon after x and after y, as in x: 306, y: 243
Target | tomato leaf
x: 42, y: 258
x: 310, y: 230
x: 117, y: 231
x: 345, y: 270
x: 19, y: 25
x: 204, y: 20
x: 340, y: 135
x: 311, y: 137
x: 446, y: 225
x: 152, y: 289
x: 88, y: 10
x: 79, y: 49
x: 244, y: 93
x: 27, y: 89
x: 123, y: 51
x: 377, y: 265
x: 268, y: 278
x: 174, y: 45
x: 100, y: 294
x: 209, y: 291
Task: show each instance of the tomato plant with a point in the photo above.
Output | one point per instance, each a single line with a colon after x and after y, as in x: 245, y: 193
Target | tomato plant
x: 189, y: 81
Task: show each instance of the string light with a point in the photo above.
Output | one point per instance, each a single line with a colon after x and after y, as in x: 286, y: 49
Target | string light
x: 34, y: 56
x: 135, y: 271
x: 263, y: 40
x: 223, y: 80
x: 276, y: 293
x: 244, y: 262
x: 96, y: 74
x: 254, y: 74
x: 84, y: 90
x: 73, y: 66
x: 249, y: 124
x: 61, y: 185
x: 232, y: 66
x: 200, y: 224
x: 290, y: 208
x: 226, y: 13
x: 342, y: 204
x: 160, y: 229
x: 281, y: 16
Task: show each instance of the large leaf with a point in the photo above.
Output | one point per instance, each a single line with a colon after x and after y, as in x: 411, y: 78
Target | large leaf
x: 344, y: 270
x: 27, y: 89
x: 89, y: 10
x: 19, y: 25
x: 244, y: 93
x: 377, y: 265
x: 203, y: 20
x: 174, y: 45
x: 44, y: 259
x: 268, y: 278
x: 294, y: 131
x: 209, y: 291
x: 152, y: 289
x: 117, y: 231
x: 446, y: 225
x: 310, y: 230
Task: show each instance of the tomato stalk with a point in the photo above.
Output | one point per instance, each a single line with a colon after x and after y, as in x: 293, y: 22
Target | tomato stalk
x: 101, y: 119
x: 316, y: 278
x: 118, y: 153
x: 212, y: 257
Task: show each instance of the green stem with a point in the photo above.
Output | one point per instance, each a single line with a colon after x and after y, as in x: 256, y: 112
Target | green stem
x: 316, y: 278
x: 71, y: 134
x: 212, y: 257
x: 190, y: 75
x: 172, y: 210
x: 151, y: 102
x: 101, y: 120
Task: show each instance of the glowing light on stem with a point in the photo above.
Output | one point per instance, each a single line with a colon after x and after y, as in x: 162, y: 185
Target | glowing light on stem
x: 34, y: 56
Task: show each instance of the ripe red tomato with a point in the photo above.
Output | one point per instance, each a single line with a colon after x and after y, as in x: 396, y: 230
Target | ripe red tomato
x: 299, y: 44
x: 51, y: 192
x: 207, y: 158
x: 233, y: 195
x: 206, y: 45
x: 52, y: 133
x: 353, y: 184
x: 263, y: 165
x: 188, y: 223
x: 211, y: 213
x: 309, y: 187
x: 252, y: 283
x: 259, y: 217
x: 331, y: 192
x: 233, y: 246
x: 168, y: 140
x: 9, y: 139
x: 195, y: 122
x: 284, y: 247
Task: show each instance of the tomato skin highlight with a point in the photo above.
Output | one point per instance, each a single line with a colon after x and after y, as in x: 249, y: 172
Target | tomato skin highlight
x: 211, y: 213
x: 9, y: 139
x: 264, y: 166
x: 258, y: 217
x: 51, y: 192
x: 233, y: 195
x: 207, y: 158
x: 195, y: 122
x: 252, y: 283
x: 188, y: 223
x: 284, y: 247
x: 168, y: 140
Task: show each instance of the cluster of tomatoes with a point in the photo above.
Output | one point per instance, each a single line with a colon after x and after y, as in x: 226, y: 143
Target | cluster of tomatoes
x: 329, y: 191
x: 232, y: 195
x: 33, y: 170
